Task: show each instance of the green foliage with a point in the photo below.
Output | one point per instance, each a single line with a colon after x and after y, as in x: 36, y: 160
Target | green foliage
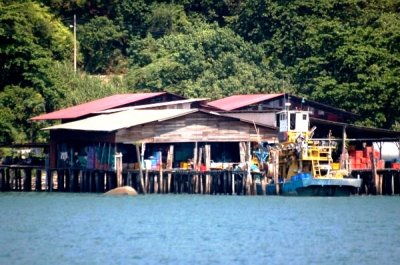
x: 167, y: 19
x: 204, y: 62
x: 78, y: 88
x: 31, y: 38
x: 17, y: 104
x: 101, y: 45
x: 340, y: 52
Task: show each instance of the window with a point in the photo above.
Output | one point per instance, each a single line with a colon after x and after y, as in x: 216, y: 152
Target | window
x: 292, y: 121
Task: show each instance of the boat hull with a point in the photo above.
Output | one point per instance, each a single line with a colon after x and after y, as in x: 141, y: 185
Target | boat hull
x: 318, y: 187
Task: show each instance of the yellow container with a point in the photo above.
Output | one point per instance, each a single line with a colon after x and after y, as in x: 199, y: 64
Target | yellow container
x: 184, y: 165
x: 335, y: 166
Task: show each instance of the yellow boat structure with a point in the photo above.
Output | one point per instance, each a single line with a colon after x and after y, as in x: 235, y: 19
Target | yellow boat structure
x: 303, y: 165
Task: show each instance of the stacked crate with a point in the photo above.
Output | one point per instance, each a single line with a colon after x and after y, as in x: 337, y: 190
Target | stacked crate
x: 360, y: 159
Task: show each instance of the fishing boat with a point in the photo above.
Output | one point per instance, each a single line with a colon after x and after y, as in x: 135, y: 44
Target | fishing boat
x: 303, y: 165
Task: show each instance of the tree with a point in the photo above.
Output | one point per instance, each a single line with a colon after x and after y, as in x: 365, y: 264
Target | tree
x: 31, y: 40
x: 16, y: 103
x: 208, y: 61
x: 101, y: 46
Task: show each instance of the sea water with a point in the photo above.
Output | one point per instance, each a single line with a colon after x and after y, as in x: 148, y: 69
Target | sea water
x: 68, y: 228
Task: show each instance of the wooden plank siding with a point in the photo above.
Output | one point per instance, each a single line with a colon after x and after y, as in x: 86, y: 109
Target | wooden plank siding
x: 195, y: 127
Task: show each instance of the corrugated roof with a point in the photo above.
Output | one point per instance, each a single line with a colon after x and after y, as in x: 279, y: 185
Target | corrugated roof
x: 156, y: 105
x: 238, y: 101
x: 95, y: 106
x: 120, y: 120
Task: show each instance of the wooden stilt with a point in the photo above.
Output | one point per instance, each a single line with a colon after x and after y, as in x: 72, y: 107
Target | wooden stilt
x: 375, y: 176
x: 170, y: 162
x: 38, y: 180
x: 27, y: 179
x: 67, y: 173
x: 17, y: 179
x: 60, y: 180
x: 155, y: 183
x: 207, y: 151
x: 248, y: 175
x: 142, y: 186
x: 225, y: 182
x: 200, y: 177
x: 233, y: 183
x: 275, y: 159
x: 2, y: 180
x: 80, y: 181
x: 160, y: 179
x: 49, y: 180
x: 263, y: 185
x: 147, y: 180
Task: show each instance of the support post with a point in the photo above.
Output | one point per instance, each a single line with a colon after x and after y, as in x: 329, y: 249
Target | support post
x: 140, y: 169
x: 170, y: 161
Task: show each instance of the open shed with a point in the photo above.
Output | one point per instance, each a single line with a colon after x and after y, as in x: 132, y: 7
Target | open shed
x: 170, y: 138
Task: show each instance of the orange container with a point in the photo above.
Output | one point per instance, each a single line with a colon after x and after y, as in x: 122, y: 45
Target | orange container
x: 367, y: 150
x: 359, y: 154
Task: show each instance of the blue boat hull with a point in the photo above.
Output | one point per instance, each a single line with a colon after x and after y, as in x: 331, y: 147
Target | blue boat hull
x: 305, y: 185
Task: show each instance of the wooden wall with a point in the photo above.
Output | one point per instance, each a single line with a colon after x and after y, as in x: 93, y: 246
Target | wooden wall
x: 195, y: 127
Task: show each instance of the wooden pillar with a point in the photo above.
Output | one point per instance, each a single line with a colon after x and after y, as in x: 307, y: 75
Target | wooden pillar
x: 225, y: 182
x: 74, y: 180
x: 375, y: 175
x: 170, y: 162
x: 2, y: 180
x: 263, y: 185
x: 8, y: 179
x: 96, y: 181
x: 142, y: 187
x: 129, y: 179
x: 248, y: 173
x: 207, y: 151
x: 28, y: 179
x: 60, y: 180
x: 146, y: 180
x: 233, y: 183
x: 343, y: 156
x: 392, y: 184
x: 17, y: 178
x: 118, y: 166
x: 200, y: 177
x: 38, y: 180
x: 80, y: 181
x: 195, y: 168
x: 275, y: 168
x: 67, y: 184
x: 49, y: 180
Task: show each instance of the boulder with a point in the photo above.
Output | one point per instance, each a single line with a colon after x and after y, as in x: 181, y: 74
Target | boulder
x: 125, y: 190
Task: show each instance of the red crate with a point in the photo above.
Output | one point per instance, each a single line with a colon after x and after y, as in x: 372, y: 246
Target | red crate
x: 380, y: 164
x: 367, y: 150
x: 359, y: 154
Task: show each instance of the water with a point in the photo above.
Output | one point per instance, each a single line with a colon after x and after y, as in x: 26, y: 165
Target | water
x: 64, y: 228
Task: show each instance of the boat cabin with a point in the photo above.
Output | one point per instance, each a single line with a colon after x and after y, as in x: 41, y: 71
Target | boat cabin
x: 292, y: 124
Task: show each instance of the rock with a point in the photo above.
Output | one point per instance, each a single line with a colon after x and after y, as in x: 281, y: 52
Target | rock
x: 125, y: 190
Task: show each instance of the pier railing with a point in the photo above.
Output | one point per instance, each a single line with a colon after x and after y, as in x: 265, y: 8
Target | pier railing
x: 229, y: 182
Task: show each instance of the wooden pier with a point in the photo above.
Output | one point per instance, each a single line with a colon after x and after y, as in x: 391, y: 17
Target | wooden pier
x: 176, y: 181
x: 228, y: 182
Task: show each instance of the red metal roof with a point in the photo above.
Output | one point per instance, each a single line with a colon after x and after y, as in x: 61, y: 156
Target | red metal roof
x: 95, y: 106
x: 238, y: 101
